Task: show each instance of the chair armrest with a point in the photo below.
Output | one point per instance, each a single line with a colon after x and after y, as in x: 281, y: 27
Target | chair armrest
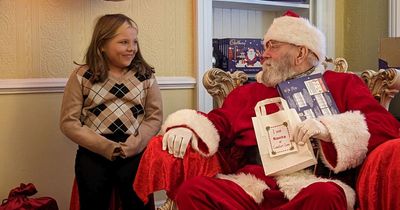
x: 384, y: 84
x: 220, y: 83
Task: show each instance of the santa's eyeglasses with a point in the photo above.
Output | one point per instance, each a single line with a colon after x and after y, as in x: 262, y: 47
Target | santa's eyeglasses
x: 273, y: 45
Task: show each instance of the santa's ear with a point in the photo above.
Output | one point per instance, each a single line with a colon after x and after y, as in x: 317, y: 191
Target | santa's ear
x: 302, y: 54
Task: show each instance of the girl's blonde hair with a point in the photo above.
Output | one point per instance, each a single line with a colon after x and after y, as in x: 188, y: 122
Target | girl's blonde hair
x: 105, y: 29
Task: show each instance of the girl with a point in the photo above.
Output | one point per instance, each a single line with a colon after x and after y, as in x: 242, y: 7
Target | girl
x: 111, y: 108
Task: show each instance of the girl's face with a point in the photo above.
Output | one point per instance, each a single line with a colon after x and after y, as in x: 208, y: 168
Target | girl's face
x: 122, y: 48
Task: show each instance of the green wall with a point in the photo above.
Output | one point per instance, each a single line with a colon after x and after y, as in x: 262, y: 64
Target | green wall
x: 360, y: 24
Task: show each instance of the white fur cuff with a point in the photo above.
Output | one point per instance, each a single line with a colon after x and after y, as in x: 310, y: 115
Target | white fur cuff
x: 199, y: 124
x: 249, y: 183
x: 349, y: 134
x: 291, y: 185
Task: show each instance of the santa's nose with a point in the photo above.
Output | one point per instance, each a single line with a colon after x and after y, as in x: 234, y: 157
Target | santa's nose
x: 262, y: 60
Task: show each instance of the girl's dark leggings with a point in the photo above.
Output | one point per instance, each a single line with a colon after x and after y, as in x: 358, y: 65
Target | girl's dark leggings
x: 97, y: 177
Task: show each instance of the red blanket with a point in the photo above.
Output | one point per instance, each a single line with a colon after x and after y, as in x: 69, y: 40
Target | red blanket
x: 159, y: 170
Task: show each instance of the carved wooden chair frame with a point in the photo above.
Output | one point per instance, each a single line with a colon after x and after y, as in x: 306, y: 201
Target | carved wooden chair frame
x: 384, y: 84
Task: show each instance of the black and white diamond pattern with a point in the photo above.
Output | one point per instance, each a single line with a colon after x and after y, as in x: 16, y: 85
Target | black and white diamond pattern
x: 119, y: 90
x: 98, y: 109
x: 137, y: 110
x: 114, y: 106
x: 118, y: 127
x: 141, y: 78
x: 88, y: 74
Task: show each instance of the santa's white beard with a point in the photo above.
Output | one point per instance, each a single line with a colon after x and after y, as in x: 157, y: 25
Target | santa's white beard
x: 278, y: 71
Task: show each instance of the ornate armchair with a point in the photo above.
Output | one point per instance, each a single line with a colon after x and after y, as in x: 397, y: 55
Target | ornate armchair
x: 384, y: 84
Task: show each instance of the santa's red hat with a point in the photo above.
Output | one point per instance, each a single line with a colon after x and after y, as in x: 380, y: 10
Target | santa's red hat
x: 296, y: 30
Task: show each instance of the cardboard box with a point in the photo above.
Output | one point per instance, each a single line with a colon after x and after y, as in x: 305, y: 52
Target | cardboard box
x: 233, y: 54
x: 389, y: 53
x: 309, y: 96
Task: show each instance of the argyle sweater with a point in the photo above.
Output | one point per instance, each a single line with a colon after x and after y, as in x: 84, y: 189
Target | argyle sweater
x: 128, y: 105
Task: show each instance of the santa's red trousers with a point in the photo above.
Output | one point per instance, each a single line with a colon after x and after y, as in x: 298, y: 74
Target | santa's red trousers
x: 213, y: 193
x: 191, y: 183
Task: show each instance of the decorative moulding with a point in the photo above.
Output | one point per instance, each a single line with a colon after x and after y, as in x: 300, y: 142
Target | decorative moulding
x: 394, y: 18
x: 56, y: 85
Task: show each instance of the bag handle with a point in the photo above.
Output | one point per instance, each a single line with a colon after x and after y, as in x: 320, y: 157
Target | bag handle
x: 260, y: 106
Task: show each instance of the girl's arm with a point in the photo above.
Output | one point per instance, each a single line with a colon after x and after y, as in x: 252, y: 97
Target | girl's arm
x: 72, y: 127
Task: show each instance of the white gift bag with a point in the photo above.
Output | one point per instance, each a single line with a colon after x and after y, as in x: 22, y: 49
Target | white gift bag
x: 279, y: 154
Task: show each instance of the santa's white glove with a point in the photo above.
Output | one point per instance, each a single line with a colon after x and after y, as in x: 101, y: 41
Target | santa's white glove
x: 311, y: 128
x: 176, y: 141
